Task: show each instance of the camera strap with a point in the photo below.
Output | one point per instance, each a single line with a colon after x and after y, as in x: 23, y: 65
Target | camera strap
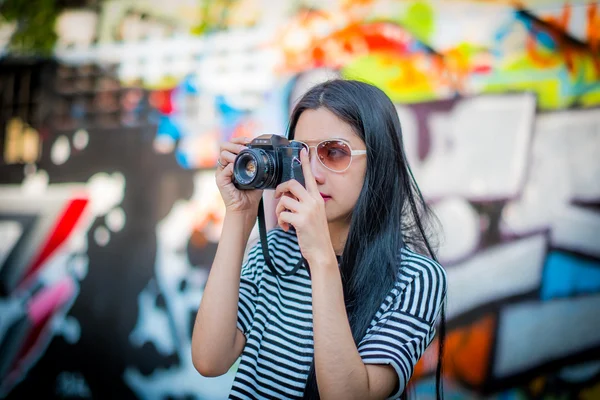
x: 262, y: 229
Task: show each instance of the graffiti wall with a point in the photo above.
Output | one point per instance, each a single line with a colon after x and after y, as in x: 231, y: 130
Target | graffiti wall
x: 110, y: 218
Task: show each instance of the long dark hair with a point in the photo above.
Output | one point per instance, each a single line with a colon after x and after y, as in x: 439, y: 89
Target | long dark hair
x: 389, y: 199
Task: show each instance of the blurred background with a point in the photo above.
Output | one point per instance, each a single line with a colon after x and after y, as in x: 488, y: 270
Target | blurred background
x: 111, y: 117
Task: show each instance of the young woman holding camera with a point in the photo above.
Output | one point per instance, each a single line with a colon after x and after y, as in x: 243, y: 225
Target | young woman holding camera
x: 357, y: 319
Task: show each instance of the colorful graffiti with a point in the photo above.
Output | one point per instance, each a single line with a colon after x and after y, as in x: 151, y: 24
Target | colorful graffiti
x: 44, y: 259
x: 526, y: 53
x: 404, y: 55
x: 111, y: 231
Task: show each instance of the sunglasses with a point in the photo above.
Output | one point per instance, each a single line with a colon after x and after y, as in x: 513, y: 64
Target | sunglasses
x: 334, y: 154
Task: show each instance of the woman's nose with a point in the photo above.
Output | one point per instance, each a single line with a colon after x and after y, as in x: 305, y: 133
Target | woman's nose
x: 316, y: 167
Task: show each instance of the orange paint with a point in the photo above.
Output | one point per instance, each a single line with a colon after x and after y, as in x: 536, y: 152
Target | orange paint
x: 411, y: 77
x: 467, y: 353
x: 540, y: 60
x: 593, y: 35
x: 565, y: 51
x: 593, y: 27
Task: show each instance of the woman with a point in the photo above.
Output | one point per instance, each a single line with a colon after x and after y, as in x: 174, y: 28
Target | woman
x: 361, y: 315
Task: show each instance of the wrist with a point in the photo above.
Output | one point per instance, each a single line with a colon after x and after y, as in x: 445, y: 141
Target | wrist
x: 240, y: 219
x: 326, y: 261
x: 325, y: 273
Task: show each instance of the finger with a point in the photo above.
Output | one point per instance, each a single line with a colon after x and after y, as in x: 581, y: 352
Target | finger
x: 309, y: 179
x: 287, y: 204
x: 241, y: 140
x: 294, y: 188
x: 228, y: 171
x: 227, y: 157
x: 281, y: 189
x: 284, y: 225
x: 224, y: 175
x: 233, y: 148
x: 278, y: 210
x: 287, y: 218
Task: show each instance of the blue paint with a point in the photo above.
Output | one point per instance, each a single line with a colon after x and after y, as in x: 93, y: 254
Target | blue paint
x: 230, y: 116
x: 190, y: 84
x: 545, y: 40
x: 229, y: 113
x: 503, y: 31
x: 168, y: 127
x: 426, y: 389
x: 524, y: 20
x: 541, y: 36
x: 183, y: 160
x: 566, y: 275
x: 512, y: 394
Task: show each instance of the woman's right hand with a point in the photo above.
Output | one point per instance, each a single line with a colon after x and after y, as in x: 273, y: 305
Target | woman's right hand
x: 236, y: 200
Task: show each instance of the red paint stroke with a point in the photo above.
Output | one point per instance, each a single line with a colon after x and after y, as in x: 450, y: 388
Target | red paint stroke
x: 162, y: 101
x: 49, y: 299
x: 61, y: 232
x: 40, y: 310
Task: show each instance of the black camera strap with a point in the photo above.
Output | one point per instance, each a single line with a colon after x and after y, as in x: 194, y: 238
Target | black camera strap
x: 262, y: 229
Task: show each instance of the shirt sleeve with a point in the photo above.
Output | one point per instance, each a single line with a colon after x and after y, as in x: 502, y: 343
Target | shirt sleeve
x: 248, y: 290
x: 405, y: 325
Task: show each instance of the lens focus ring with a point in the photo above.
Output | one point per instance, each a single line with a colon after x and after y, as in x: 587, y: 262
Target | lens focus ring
x: 254, y: 168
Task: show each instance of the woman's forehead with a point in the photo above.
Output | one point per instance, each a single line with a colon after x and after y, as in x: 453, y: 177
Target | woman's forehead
x: 314, y: 126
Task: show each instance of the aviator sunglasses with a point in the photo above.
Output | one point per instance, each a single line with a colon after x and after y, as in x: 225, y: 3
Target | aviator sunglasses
x: 334, y: 154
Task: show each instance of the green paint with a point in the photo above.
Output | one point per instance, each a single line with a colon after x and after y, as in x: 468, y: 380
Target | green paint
x: 590, y: 74
x: 590, y: 99
x: 519, y: 64
x: 547, y: 91
x: 419, y: 20
x: 371, y: 69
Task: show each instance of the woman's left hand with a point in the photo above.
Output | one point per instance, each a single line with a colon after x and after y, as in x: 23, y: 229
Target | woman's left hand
x: 304, y: 208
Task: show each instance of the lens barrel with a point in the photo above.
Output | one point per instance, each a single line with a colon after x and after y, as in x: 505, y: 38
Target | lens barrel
x: 255, y: 169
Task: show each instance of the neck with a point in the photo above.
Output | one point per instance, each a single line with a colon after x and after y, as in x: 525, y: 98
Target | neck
x: 338, y: 232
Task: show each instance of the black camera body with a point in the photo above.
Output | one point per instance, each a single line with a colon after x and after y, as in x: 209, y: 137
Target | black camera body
x: 268, y: 161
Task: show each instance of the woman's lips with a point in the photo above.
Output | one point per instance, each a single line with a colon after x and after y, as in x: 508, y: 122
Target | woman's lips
x: 325, y: 197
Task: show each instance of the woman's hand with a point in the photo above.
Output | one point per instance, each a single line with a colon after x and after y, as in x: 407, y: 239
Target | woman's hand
x: 304, y: 208
x: 235, y: 200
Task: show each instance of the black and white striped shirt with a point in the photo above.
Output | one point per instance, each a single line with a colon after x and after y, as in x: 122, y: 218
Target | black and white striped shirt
x: 275, y: 315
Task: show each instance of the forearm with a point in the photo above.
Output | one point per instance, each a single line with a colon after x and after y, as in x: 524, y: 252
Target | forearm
x: 216, y: 322
x: 339, y: 368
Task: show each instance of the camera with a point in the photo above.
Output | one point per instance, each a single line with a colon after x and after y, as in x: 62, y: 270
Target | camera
x: 268, y: 161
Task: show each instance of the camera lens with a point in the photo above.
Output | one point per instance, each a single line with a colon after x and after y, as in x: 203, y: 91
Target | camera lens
x: 247, y: 167
x: 254, y: 168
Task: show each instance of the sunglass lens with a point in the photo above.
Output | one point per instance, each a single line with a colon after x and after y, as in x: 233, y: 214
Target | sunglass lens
x: 334, y: 154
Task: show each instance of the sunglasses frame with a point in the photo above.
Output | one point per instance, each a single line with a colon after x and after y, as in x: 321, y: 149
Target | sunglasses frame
x: 352, y: 152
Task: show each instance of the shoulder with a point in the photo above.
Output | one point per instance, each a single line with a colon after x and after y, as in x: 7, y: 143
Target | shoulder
x: 423, y: 282
x: 417, y: 266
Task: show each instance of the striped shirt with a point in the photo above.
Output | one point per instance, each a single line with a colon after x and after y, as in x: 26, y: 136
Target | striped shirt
x: 275, y: 315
